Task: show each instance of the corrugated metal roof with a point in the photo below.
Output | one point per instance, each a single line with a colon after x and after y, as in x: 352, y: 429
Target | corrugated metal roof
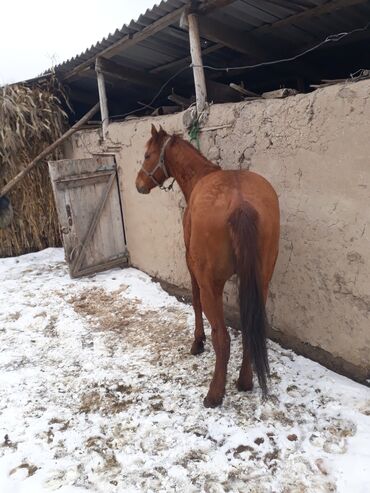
x: 278, y: 27
x: 151, y: 15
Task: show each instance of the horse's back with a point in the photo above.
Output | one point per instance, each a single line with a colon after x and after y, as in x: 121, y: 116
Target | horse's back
x: 218, y: 194
x: 215, y: 197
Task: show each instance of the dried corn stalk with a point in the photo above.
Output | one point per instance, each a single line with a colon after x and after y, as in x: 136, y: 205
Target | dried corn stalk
x: 31, y: 118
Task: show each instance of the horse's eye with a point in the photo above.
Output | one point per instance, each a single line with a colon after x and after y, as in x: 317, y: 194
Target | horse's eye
x: 147, y: 156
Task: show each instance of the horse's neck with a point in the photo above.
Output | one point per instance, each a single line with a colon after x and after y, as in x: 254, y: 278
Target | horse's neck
x: 188, y: 166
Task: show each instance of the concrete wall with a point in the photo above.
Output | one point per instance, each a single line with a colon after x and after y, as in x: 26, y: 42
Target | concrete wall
x: 315, y: 150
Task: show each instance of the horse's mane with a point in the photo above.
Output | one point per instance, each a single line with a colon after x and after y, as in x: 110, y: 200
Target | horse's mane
x: 176, y: 139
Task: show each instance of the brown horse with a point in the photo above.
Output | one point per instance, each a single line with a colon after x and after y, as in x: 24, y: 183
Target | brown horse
x: 231, y: 225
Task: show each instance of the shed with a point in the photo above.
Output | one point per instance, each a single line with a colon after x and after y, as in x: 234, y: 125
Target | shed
x: 147, y: 63
x: 245, y: 57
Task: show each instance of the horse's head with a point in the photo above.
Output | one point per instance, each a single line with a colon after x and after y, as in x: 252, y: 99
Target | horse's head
x: 153, y: 172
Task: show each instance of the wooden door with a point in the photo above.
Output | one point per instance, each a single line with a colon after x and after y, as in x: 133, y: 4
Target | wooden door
x: 90, y: 213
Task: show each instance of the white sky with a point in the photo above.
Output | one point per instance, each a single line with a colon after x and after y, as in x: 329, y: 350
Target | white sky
x: 34, y: 35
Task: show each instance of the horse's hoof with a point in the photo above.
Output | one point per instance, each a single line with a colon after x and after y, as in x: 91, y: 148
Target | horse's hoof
x: 244, y: 386
x: 197, y: 348
x: 212, y: 402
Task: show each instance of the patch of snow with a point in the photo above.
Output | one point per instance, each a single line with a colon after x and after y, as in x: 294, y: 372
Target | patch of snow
x: 99, y: 394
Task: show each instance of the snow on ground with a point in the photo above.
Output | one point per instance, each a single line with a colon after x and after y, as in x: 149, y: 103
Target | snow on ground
x: 98, y: 393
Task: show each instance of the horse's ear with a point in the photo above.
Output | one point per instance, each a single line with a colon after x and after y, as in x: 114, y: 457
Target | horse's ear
x: 154, y: 131
x: 161, y: 131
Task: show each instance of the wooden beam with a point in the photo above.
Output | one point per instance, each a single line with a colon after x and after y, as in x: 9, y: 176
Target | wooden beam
x: 83, y: 97
x: 291, y: 5
x: 196, y: 58
x: 235, y: 39
x: 326, y: 8
x: 183, y: 61
x: 130, y: 40
x: 249, y: 39
x: 180, y: 100
x: 209, y: 5
x: 102, y: 98
x: 221, y: 93
x: 242, y: 90
x: 48, y: 150
x: 129, y: 74
x: 242, y: 42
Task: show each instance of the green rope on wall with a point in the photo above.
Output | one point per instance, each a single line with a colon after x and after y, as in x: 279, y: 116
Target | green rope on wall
x: 194, y: 132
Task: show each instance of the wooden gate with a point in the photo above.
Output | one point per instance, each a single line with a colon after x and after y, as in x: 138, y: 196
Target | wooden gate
x: 90, y: 213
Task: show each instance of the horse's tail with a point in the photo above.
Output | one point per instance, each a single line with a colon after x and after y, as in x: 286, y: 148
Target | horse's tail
x: 244, y: 235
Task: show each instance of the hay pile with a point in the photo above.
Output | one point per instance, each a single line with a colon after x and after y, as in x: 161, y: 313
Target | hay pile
x: 31, y: 118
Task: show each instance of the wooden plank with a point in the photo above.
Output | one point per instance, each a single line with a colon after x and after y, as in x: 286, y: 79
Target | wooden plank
x: 221, y: 93
x: 48, y: 150
x: 128, y: 74
x: 196, y: 58
x: 130, y: 40
x: 69, y: 168
x: 65, y: 221
x: 111, y: 229
x: 77, y: 264
x: 109, y: 236
x: 68, y: 184
x: 108, y: 240
x: 75, y: 210
x: 83, y: 202
x: 82, y: 180
x: 243, y: 91
x: 120, y: 261
x: 102, y: 98
x: 102, y: 243
x: 279, y: 93
x: 180, y: 100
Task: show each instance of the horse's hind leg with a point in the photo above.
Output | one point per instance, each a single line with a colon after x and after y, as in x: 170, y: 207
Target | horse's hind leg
x: 199, y: 336
x: 245, y: 380
x: 212, y: 304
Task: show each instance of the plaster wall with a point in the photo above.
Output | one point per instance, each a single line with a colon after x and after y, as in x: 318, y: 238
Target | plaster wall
x: 314, y: 149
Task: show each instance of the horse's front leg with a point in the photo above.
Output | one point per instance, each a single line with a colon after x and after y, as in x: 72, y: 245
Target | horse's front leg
x: 212, y: 304
x: 199, y: 336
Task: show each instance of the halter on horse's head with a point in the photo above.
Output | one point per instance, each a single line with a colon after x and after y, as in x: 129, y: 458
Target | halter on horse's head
x: 154, y: 172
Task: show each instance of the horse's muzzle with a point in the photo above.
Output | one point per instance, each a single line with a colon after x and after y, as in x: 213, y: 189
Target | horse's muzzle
x: 142, y: 189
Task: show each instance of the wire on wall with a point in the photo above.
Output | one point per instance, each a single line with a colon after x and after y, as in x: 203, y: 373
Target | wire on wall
x: 332, y: 38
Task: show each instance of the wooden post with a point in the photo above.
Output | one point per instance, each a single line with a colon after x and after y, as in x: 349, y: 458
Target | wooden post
x: 196, y: 58
x: 102, y: 98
